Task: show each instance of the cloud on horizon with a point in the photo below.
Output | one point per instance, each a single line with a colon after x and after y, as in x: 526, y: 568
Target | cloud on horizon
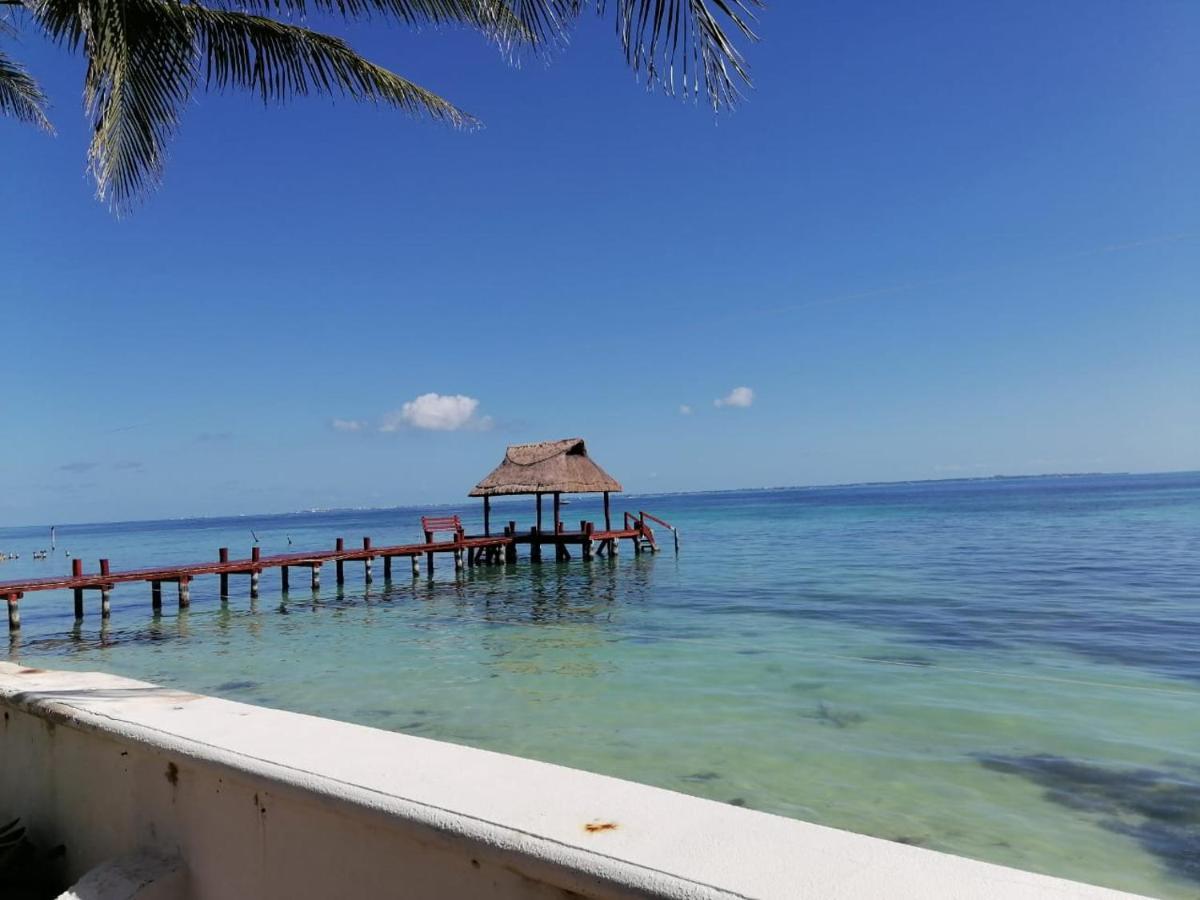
x: 739, y: 397
x: 348, y: 424
x: 437, y: 412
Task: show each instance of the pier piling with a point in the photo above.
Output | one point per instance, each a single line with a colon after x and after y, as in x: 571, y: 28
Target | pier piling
x: 185, y: 592
x: 14, y: 612
x: 105, y: 592
x: 283, y: 578
x: 316, y: 576
x: 416, y: 566
x: 77, y: 572
x: 156, y: 596
x: 339, y: 566
x: 367, y: 576
x: 223, y: 556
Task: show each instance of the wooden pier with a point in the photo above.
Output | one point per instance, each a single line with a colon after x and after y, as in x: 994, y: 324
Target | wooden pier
x: 466, y: 549
x: 549, y: 467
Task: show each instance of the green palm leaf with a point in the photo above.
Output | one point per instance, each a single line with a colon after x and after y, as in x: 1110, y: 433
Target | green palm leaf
x: 20, y: 96
x: 142, y: 67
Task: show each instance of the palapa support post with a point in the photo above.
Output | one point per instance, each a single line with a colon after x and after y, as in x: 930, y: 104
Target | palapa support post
x: 105, y: 593
x: 77, y: 572
x: 316, y: 576
x: 223, y: 556
x: 539, y: 511
x: 185, y: 591
x: 510, y: 551
x: 535, y: 544
x: 341, y: 572
x: 156, y: 596
x: 14, y: 612
x: 487, y: 516
x: 560, y: 549
x: 557, y: 511
x: 367, y: 576
x: 586, y: 528
x: 607, y: 514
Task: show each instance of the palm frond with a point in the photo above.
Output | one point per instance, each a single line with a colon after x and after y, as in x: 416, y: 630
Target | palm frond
x: 20, y: 96
x: 280, y: 61
x: 687, y: 42
x: 143, y: 58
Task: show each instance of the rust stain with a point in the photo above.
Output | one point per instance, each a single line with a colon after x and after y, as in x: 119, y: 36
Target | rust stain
x: 172, y: 773
x: 593, y: 827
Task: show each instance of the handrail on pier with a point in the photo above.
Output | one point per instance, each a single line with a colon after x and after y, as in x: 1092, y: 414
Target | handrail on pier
x: 674, y: 531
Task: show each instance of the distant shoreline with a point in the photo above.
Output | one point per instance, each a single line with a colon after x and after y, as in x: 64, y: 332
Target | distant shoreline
x: 962, y: 479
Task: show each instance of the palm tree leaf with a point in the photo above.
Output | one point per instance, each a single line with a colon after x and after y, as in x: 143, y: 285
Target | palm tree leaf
x: 142, y: 67
x: 659, y: 35
x: 279, y: 61
x: 20, y: 95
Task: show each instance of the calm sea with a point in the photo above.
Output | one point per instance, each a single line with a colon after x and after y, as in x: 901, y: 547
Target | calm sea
x: 1007, y: 670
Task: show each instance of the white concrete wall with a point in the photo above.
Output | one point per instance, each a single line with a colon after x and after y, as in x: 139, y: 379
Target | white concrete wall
x: 267, y: 804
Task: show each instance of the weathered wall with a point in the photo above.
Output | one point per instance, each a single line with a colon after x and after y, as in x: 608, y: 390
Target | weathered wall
x: 268, y: 804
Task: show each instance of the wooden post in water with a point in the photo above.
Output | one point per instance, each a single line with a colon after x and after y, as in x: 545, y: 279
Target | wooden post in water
x: 607, y: 515
x: 539, y: 512
x: 341, y: 574
x: 185, y: 591
x: 487, y: 515
x: 77, y: 572
x: 223, y: 556
x: 105, y: 593
x: 367, y: 576
x: 586, y: 528
x: 14, y: 613
x: 316, y: 576
x: 284, y: 578
x: 255, y: 556
x: 416, y: 565
x: 510, y: 552
x: 156, y: 596
x: 387, y: 568
x: 535, y: 544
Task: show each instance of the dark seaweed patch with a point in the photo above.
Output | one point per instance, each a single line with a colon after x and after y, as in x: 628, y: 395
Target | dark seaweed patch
x: 836, y: 718
x: 701, y: 776
x: 238, y: 685
x: 1158, y: 809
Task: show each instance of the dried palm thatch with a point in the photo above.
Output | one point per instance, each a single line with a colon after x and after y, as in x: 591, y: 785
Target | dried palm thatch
x: 548, y: 467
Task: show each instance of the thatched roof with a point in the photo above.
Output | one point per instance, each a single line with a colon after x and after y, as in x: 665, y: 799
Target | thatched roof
x: 546, y: 468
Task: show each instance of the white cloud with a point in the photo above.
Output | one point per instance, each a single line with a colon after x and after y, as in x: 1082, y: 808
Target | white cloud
x: 348, y: 424
x: 739, y: 396
x: 684, y: 409
x: 437, y: 412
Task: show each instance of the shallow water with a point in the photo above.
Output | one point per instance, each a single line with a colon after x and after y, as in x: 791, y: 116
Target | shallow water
x: 1008, y: 669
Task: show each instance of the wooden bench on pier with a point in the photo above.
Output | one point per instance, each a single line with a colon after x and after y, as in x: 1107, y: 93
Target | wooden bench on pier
x: 474, y: 549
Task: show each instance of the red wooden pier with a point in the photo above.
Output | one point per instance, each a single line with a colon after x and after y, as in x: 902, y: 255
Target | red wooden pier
x: 467, y: 550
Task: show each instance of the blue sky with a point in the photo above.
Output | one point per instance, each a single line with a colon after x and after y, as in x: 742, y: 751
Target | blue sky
x: 939, y: 239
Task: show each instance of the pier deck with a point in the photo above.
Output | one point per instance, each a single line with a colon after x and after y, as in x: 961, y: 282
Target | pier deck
x: 467, y: 549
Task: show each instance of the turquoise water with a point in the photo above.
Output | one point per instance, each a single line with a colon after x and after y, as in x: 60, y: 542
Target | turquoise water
x: 1007, y: 670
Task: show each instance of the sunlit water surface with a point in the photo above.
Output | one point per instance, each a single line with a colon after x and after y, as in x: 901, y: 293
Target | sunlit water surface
x: 1007, y: 670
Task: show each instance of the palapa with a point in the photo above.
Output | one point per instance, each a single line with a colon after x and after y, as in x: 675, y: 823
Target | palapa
x: 547, y: 467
